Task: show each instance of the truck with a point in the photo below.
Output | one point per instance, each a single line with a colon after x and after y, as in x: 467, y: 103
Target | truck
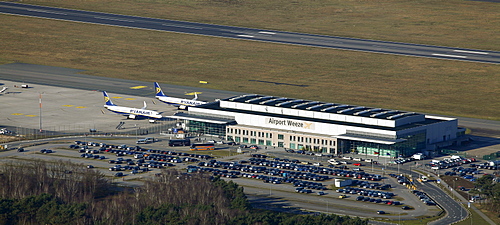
x: 418, y: 156
x: 494, y: 163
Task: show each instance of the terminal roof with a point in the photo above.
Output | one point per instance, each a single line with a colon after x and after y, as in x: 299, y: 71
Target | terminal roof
x: 308, y: 105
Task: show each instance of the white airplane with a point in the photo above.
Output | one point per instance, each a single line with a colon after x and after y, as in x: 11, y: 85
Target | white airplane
x: 179, y: 102
x: 131, y: 113
x: 3, y: 90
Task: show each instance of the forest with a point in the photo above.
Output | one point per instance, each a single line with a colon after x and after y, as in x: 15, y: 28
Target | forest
x: 61, y: 192
x: 488, y: 189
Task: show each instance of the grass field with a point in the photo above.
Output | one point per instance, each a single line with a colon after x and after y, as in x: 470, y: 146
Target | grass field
x: 377, y: 80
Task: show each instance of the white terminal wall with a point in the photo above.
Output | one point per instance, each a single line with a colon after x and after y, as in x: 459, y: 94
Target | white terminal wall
x: 323, y: 115
x: 307, y: 126
x: 436, y: 132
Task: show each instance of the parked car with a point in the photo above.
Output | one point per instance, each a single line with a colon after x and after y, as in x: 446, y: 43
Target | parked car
x: 119, y: 174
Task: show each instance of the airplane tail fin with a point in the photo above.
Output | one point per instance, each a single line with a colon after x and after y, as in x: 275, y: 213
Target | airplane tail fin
x: 159, y: 92
x: 144, y: 105
x: 107, y: 100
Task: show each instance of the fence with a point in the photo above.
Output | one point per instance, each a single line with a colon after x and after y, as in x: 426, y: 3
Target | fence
x: 22, y: 133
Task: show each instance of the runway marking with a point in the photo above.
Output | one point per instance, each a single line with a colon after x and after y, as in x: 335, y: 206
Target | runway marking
x: 244, y: 35
x: 266, y: 32
x: 116, y: 97
x: 138, y: 87
x: 81, y: 107
x: 453, y: 56
x: 17, y: 114
x: 170, y: 25
x: 68, y: 105
x: 44, y: 11
x: 130, y: 99
x: 473, y: 52
x: 31, y: 115
x: 106, y: 18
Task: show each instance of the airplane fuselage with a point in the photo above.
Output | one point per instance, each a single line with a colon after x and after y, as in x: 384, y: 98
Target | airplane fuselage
x: 180, y: 101
x: 133, y: 111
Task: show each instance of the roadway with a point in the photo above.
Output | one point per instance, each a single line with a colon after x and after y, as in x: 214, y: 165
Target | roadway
x: 250, y: 34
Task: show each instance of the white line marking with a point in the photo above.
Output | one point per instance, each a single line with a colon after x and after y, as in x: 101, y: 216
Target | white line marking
x: 482, y: 53
x: 105, y: 18
x: 242, y: 35
x: 454, y: 56
x: 169, y: 25
x: 265, y: 32
x: 44, y: 11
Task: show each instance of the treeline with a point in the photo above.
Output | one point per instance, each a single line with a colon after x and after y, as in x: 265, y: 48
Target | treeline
x: 66, y: 193
x: 488, y: 188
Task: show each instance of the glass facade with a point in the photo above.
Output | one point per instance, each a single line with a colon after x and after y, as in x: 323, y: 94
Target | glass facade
x: 414, y: 143
x: 203, y: 128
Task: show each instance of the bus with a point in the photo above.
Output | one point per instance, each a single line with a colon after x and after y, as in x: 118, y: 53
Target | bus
x: 202, y: 147
x: 179, y: 142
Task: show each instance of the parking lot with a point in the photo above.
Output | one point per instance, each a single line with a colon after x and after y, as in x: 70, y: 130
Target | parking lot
x: 126, y: 164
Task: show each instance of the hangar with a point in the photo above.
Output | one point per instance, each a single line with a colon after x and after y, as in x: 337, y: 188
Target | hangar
x: 320, y: 126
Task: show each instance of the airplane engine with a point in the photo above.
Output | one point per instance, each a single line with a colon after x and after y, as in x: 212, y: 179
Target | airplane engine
x: 131, y: 117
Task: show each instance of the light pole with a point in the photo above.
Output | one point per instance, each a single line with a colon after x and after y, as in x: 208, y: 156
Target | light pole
x: 454, y: 187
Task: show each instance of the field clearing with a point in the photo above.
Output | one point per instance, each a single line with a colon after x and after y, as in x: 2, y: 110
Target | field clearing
x: 376, y: 80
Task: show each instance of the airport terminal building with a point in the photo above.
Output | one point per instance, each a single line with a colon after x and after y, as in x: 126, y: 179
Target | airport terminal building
x: 319, y: 126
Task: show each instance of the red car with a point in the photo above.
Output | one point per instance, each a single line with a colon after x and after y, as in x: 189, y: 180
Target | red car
x: 357, y: 164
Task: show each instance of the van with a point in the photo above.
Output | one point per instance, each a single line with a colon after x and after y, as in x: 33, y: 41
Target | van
x: 179, y: 142
x: 151, y: 140
x: 141, y: 141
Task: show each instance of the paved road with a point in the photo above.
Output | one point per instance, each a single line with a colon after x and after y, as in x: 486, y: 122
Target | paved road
x: 407, y: 49
x: 454, y: 211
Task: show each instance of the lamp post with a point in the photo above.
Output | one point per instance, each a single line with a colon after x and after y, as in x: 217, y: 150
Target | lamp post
x: 454, y: 187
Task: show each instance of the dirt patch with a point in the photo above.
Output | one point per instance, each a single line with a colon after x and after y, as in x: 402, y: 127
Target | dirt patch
x: 7, y: 138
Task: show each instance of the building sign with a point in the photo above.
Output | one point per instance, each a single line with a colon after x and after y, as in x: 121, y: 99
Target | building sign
x: 290, y: 123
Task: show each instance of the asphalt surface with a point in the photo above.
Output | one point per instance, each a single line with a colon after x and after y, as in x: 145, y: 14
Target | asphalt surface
x: 280, y: 197
x: 385, y: 47
x: 22, y: 73
x: 61, y: 81
x: 454, y: 211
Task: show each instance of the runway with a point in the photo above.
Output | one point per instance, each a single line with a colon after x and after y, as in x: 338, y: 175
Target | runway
x: 250, y: 34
